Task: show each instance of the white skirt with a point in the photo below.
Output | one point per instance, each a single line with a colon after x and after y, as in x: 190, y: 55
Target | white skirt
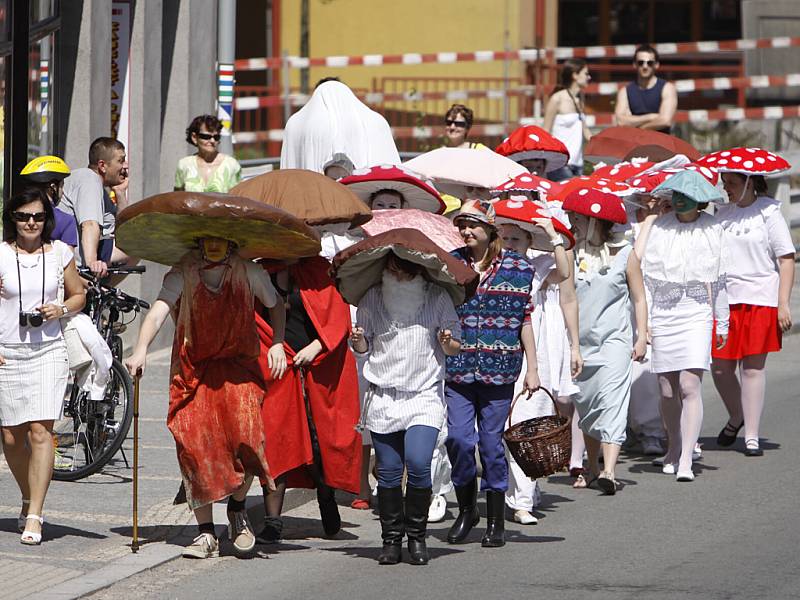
x: 33, y: 382
x: 680, y: 350
x: 389, y: 410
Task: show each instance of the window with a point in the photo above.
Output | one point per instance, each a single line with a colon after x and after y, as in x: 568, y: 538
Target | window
x: 40, y: 109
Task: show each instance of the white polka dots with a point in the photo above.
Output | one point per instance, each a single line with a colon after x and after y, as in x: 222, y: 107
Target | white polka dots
x: 515, y: 204
x: 508, y: 185
x: 583, y: 192
x: 526, y: 178
x: 534, y: 137
x: 760, y: 160
x: 707, y: 173
x: 771, y: 157
x: 726, y: 153
x: 595, y: 208
x: 712, y: 158
x: 607, y: 190
x: 545, y: 184
x: 748, y: 164
x: 736, y: 158
x: 723, y: 161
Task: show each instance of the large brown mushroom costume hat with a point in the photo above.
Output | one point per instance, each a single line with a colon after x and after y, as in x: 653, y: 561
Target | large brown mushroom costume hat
x: 361, y: 266
x: 309, y: 196
x: 164, y: 227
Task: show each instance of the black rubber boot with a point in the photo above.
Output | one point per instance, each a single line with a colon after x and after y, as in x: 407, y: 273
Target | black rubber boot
x: 328, y: 510
x: 390, y: 507
x: 418, y: 502
x: 468, y: 515
x: 495, y: 535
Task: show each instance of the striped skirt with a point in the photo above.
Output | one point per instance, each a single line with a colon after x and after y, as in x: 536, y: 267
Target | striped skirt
x: 33, y: 382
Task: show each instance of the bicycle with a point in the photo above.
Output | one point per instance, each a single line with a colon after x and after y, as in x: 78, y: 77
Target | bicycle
x: 92, y: 432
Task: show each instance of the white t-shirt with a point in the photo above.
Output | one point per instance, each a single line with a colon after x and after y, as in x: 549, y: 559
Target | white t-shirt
x: 30, y: 270
x: 756, y: 235
x: 172, y: 287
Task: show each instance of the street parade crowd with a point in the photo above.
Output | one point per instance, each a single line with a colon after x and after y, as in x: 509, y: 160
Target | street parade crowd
x: 519, y: 300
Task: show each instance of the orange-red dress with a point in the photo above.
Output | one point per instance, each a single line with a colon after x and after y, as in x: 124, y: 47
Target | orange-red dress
x: 216, y: 385
x: 331, y: 384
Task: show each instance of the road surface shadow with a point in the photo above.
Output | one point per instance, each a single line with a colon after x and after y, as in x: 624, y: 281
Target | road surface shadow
x: 52, y: 531
x: 371, y: 552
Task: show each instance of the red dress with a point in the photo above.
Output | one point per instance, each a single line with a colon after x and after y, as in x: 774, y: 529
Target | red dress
x: 216, y: 387
x: 331, y: 383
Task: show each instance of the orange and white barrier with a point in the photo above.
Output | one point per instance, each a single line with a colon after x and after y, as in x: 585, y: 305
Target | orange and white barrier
x: 529, y: 54
x: 603, y: 89
x: 601, y: 119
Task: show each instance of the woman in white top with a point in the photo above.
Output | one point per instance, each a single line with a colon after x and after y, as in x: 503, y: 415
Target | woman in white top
x: 684, y: 273
x: 760, y: 280
x: 33, y: 355
x: 406, y: 326
x: 564, y: 116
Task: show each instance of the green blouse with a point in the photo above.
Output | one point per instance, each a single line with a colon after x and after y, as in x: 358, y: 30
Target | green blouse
x: 222, y: 179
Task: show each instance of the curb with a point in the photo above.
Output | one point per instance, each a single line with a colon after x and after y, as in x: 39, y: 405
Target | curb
x: 153, y: 555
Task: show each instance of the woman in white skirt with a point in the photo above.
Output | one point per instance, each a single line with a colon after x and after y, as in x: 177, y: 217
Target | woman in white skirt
x: 33, y: 355
x: 684, y: 272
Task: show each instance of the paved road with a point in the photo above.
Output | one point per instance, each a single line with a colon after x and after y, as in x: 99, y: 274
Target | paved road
x: 733, y: 533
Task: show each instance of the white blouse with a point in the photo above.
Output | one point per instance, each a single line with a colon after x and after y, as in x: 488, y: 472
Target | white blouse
x: 30, y: 272
x: 757, y: 235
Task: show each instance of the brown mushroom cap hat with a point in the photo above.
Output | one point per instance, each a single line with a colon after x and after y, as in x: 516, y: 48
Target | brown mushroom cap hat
x: 164, y: 227
x: 361, y: 266
x: 314, y: 198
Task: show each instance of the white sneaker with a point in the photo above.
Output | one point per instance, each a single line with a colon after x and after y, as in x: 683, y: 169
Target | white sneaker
x: 437, y: 509
x: 684, y: 476
x: 524, y: 517
x: 697, y: 453
x: 241, y: 532
x: 669, y: 468
x: 204, y: 545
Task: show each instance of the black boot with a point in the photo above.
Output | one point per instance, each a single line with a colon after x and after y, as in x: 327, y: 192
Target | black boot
x: 418, y: 502
x: 495, y: 520
x: 468, y: 515
x: 390, y: 507
x: 328, y: 510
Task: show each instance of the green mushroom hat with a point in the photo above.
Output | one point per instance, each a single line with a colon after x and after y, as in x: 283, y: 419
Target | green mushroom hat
x: 164, y: 227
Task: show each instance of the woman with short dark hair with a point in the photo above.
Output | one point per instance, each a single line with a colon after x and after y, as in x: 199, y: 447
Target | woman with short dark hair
x: 33, y: 354
x: 208, y: 170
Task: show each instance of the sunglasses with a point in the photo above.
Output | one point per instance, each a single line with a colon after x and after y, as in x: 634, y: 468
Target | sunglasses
x: 449, y: 122
x: 209, y: 136
x: 649, y: 63
x: 24, y: 217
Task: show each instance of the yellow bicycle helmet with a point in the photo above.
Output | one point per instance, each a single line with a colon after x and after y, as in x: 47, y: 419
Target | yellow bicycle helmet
x: 45, y: 169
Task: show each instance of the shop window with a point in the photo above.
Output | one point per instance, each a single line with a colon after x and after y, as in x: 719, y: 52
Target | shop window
x: 40, y: 109
x: 42, y: 9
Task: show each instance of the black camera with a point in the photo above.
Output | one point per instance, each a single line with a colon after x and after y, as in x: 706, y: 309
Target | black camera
x: 34, y: 319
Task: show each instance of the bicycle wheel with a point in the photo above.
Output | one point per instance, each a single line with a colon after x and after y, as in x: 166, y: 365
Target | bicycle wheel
x: 92, y: 432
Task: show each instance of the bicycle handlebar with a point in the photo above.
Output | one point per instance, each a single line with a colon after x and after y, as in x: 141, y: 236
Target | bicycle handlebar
x: 135, y: 270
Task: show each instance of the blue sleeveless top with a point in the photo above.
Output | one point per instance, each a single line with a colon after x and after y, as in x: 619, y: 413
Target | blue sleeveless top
x: 645, y: 101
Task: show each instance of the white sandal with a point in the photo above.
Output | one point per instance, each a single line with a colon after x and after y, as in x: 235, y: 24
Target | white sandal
x: 22, y: 517
x: 31, y: 538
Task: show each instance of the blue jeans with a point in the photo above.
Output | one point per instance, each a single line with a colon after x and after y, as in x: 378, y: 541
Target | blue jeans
x: 412, y: 448
x: 489, y: 404
x: 565, y: 172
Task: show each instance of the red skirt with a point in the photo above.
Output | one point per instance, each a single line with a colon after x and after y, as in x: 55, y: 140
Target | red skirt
x: 752, y: 330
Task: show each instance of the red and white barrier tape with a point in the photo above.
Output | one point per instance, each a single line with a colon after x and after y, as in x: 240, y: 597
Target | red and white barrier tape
x: 529, y: 54
x: 601, y: 119
x: 602, y: 89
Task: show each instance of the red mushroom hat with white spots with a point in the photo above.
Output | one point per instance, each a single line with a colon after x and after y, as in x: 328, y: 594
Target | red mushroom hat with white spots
x: 596, y: 204
x: 527, y: 182
x: 747, y: 161
x: 622, y: 171
x: 531, y: 141
x: 648, y: 181
x: 522, y: 214
x: 416, y: 192
x: 616, y: 188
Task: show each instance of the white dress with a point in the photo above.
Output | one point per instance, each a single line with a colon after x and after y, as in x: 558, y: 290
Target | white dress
x: 684, y: 274
x: 33, y: 379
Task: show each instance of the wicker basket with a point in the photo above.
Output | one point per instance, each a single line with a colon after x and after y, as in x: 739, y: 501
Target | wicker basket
x: 541, y: 446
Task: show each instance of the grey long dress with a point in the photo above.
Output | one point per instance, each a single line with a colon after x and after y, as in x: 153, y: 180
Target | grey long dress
x: 606, y: 338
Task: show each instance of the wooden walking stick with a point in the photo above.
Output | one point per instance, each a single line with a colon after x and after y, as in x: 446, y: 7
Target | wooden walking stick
x: 135, y: 542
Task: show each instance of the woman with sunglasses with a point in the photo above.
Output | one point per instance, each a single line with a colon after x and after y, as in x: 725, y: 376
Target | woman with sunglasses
x: 208, y: 170
x: 457, y: 123
x: 33, y: 355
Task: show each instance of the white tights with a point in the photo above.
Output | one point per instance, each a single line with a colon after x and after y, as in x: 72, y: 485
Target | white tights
x: 745, y: 399
x: 566, y: 408
x: 682, y: 411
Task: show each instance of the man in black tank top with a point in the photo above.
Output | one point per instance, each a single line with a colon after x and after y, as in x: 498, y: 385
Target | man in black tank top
x: 649, y: 102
